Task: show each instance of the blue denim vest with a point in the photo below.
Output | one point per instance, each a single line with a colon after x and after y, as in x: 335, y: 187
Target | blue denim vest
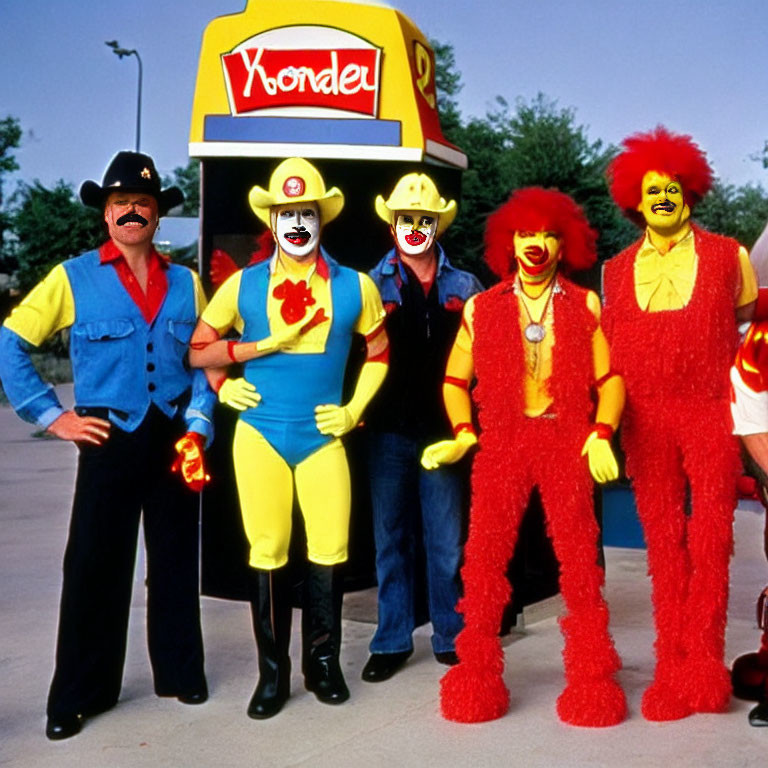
x: 118, y: 361
x: 452, y: 283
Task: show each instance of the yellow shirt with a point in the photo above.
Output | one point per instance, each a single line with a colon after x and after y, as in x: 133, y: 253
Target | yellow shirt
x: 50, y: 307
x: 223, y: 312
x: 538, y: 356
x: 665, y: 282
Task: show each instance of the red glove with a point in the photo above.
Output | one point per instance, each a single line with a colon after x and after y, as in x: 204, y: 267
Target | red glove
x: 190, y: 461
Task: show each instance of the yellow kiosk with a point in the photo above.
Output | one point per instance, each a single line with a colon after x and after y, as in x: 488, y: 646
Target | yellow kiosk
x: 350, y: 86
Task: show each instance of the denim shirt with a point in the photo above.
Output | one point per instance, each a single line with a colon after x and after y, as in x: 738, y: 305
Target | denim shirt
x: 453, y: 285
x: 119, y: 362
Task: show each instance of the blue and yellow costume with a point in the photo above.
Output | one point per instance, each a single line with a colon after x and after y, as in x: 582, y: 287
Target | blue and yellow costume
x: 279, y: 438
x: 296, y: 315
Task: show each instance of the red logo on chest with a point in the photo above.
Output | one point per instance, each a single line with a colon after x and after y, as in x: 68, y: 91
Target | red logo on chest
x: 295, y: 297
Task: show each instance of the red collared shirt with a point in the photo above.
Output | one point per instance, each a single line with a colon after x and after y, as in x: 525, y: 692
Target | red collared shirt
x: 149, y: 303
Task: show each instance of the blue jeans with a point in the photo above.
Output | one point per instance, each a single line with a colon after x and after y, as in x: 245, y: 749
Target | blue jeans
x: 400, y: 490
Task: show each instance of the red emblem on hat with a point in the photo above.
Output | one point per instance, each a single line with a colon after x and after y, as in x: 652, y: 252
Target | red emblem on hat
x: 294, y: 186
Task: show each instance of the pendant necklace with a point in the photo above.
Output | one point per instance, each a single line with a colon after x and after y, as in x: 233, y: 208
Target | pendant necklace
x: 535, y: 331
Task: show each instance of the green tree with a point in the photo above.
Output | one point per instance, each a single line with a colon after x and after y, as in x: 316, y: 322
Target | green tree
x: 739, y: 212
x: 50, y: 226
x: 10, y: 138
x: 536, y: 144
x: 187, y: 178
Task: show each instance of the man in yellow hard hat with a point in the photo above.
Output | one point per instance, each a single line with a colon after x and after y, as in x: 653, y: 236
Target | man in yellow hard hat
x: 296, y: 313
x: 423, y: 295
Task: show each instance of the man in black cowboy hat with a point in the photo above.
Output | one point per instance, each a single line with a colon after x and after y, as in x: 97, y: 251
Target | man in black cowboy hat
x: 130, y: 314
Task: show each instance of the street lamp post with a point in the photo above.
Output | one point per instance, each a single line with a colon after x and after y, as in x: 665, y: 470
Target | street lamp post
x: 120, y: 52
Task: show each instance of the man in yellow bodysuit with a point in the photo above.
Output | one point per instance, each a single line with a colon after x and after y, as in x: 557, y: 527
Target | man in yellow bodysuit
x: 296, y: 314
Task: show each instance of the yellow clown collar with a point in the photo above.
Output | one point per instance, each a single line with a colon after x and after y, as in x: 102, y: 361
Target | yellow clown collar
x: 417, y: 192
x: 296, y: 180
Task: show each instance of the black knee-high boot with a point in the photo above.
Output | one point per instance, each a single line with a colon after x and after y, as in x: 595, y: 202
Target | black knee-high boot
x: 321, y: 635
x: 270, y: 594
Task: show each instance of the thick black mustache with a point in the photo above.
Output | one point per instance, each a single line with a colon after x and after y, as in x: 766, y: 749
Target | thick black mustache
x: 298, y: 233
x: 133, y: 216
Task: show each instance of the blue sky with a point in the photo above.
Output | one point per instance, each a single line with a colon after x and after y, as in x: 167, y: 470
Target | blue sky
x: 700, y: 67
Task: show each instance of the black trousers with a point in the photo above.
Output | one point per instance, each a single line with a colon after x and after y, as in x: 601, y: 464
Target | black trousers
x: 129, y: 474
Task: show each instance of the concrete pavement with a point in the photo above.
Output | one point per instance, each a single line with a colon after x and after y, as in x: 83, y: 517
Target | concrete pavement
x: 396, y: 723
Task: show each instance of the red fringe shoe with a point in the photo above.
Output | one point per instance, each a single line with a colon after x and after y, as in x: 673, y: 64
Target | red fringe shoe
x: 473, y: 691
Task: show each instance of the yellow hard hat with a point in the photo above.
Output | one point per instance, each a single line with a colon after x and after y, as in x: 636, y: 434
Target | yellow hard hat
x: 417, y: 192
x: 296, y: 180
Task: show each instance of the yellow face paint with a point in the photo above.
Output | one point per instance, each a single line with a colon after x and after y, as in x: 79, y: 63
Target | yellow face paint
x: 662, y: 204
x: 537, y: 254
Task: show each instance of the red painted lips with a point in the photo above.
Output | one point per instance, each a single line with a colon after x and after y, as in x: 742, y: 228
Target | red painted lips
x: 536, y: 254
x: 415, y: 238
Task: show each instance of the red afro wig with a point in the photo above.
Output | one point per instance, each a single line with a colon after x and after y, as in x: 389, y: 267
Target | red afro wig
x: 659, y: 150
x: 535, y: 209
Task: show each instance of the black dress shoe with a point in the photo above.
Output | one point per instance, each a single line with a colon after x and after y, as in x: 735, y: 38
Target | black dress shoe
x: 449, y: 658
x: 197, y: 697
x: 57, y: 728
x: 759, y: 715
x: 381, y: 666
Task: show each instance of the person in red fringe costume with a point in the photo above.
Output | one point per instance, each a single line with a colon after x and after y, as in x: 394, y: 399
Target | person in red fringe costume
x: 534, y: 344
x: 672, y: 301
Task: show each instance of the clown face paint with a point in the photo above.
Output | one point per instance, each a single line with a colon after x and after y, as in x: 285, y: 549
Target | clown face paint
x: 415, y: 232
x: 662, y: 203
x: 297, y: 229
x: 537, y: 254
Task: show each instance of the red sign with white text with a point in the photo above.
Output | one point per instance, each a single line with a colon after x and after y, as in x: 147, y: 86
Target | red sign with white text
x: 345, y: 79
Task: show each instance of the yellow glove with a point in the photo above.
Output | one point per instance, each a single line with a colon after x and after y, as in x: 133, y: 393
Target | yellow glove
x: 287, y: 337
x: 334, y: 420
x: 239, y: 394
x: 448, y: 451
x: 602, y: 462
x: 337, y: 420
x: 282, y: 339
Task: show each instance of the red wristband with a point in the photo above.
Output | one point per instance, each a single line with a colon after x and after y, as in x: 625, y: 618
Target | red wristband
x: 231, y: 350
x: 604, y: 431
x: 464, y: 426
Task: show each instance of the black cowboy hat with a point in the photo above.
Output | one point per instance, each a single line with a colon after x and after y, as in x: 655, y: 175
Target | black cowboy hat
x: 131, y: 172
